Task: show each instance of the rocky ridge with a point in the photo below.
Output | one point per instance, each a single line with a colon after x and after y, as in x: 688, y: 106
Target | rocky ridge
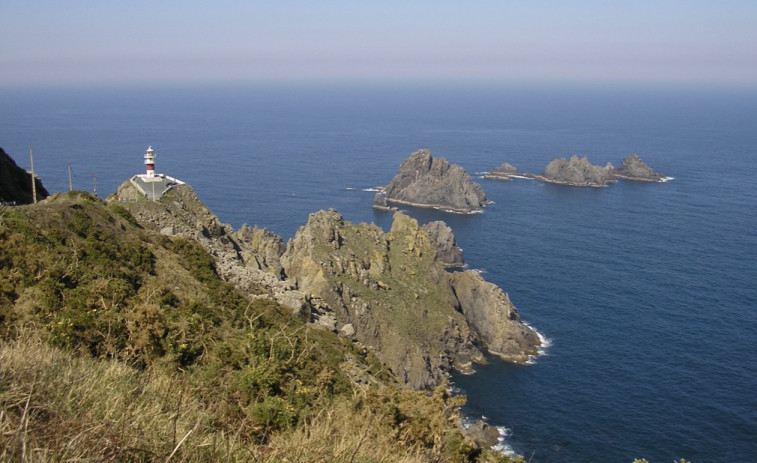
x: 425, y: 181
x: 392, y: 293
x: 389, y: 292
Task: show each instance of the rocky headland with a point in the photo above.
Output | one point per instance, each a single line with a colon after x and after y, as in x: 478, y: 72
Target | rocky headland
x: 389, y: 292
x: 425, y: 181
x: 15, y: 183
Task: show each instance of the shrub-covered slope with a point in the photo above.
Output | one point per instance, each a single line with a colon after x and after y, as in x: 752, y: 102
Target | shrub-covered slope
x: 119, y: 343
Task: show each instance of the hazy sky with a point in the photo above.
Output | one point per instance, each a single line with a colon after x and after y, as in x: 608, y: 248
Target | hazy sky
x: 108, y: 41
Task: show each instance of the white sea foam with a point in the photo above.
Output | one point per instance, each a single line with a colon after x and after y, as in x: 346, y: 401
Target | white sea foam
x: 371, y: 189
x: 546, y: 343
x: 667, y: 179
x: 349, y: 188
x: 502, y: 446
x: 523, y: 177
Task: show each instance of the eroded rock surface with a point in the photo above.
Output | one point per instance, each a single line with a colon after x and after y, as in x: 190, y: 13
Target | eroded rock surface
x: 578, y: 172
x: 425, y: 181
x: 633, y: 168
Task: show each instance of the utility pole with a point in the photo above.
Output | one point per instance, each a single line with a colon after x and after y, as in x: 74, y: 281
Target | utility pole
x: 94, y: 179
x: 70, y: 185
x: 34, y: 183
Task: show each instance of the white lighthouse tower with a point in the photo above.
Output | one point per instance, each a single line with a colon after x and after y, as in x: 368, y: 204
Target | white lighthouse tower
x: 150, y: 162
x: 153, y: 186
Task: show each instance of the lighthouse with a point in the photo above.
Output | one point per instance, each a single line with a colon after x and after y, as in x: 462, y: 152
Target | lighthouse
x: 151, y: 185
x: 150, y: 162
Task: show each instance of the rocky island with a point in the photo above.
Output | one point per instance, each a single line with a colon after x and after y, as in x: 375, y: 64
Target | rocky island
x: 505, y: 172
x: 633, y: 168
x: 425, y: 181
x: 580, y: 172
x: 577, y: 172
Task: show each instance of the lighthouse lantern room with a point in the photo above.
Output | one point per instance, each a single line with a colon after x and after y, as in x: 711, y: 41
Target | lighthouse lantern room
x: 150, y: 162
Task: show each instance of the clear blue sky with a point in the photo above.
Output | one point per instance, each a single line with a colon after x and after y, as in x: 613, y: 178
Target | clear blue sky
x: 108, y: 41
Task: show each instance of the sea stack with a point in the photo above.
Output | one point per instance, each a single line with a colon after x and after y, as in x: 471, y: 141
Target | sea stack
x: 425, y: 181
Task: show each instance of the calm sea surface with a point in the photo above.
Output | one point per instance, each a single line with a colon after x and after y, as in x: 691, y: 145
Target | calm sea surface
x: 647, y: 292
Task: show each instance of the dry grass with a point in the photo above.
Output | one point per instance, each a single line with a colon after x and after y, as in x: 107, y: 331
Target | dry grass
x: 55, y: 407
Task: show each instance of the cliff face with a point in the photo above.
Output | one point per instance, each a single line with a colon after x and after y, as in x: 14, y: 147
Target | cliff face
x: 428, y: 182
x: 578, y: 172
x: 389, y: 292
x: 392, y: 294
x: 447, y: 251
x: 633, y: 168
x: 247, y: 258
x: 16, y: 184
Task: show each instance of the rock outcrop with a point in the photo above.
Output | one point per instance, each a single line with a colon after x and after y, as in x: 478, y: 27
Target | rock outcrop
x: 425, y: 181
x: 249, y: 258
x: 397, y: 298
x: 447, y: 250
x: 504, y: 172
x: 577, y: 172
x: 490, y: 313
x: 16, y: 184
x: 633, y: 168
x: 389, y: 292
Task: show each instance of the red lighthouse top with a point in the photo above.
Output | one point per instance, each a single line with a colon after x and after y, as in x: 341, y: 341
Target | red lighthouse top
x: 150, y: 162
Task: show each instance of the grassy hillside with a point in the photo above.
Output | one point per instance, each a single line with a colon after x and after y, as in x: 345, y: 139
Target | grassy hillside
x: 118, y: 343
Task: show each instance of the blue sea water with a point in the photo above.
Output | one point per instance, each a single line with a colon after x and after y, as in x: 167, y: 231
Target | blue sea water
x: 646, y: 291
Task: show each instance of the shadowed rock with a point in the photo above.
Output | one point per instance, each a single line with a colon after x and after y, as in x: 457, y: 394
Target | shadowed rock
x: 16, y: 183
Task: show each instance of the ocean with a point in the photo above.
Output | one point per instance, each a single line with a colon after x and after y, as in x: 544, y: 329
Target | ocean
x: 645, y: 291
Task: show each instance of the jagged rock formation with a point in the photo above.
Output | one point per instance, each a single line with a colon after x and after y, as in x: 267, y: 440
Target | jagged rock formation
x: 490, y: 313
x: 397, y: 298
x: 504, y: 172
x: 633, y: 168
x: 447, y: 250
x: 424, y: 181
x: 577, y: 172
x: 389, y: 292
x: 249, y: 258
x: 16, y: 184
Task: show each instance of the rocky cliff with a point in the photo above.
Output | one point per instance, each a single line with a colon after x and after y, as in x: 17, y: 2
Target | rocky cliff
x: 577, y: 172
x: 633, y: 168
x: 391, y: 293
x: 249, y: 258
x: 425, y: 181
x: 447, y: 250
x: 15, y: 183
